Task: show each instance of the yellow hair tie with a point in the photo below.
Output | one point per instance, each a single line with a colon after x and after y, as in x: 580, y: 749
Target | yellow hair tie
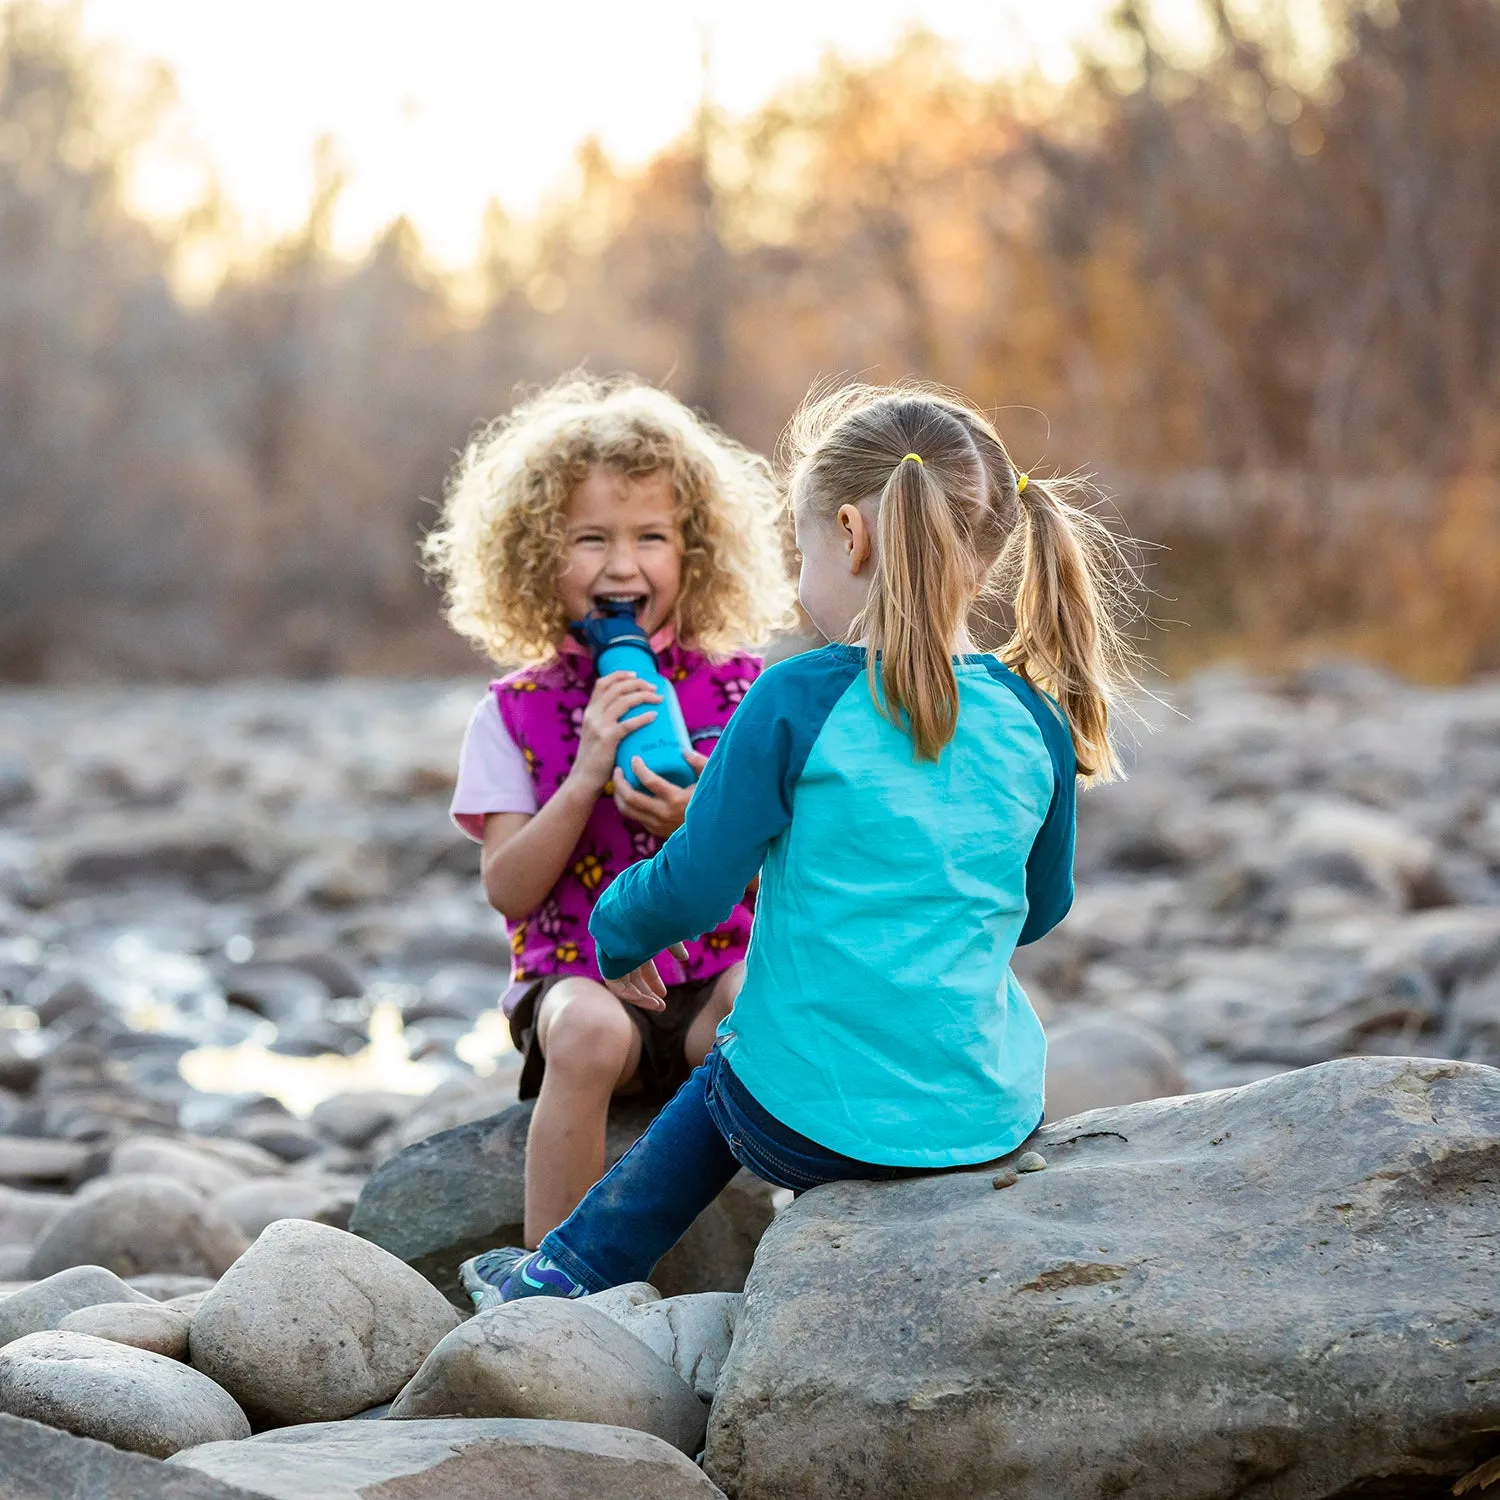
x: 916, y: 456
x: 1021, y: 483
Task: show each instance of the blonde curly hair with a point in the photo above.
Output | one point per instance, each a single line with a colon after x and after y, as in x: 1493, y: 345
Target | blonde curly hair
x: 499, y: 545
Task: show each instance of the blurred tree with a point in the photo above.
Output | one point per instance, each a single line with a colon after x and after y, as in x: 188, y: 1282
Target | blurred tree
x: 1259, y: 290
x: 1314, y: 280
x: 83, y: 310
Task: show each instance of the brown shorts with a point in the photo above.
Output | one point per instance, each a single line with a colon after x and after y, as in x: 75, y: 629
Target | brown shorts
x: 664, y: 1066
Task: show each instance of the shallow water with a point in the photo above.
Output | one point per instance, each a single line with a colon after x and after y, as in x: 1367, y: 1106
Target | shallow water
x: 302, y: 1083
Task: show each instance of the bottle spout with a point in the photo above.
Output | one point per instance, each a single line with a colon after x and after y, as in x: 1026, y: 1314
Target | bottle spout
x: 610, y: 623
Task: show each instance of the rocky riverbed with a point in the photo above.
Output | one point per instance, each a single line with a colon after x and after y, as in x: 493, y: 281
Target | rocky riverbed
x: 247, y: 979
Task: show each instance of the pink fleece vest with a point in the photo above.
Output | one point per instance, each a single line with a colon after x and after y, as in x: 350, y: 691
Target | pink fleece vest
x: 542, y: 709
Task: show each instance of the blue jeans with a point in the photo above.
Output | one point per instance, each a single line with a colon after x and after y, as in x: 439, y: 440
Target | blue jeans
x: 644, y: 1204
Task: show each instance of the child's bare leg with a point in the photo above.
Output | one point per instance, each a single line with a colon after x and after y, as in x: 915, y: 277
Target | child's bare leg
x: 700, y: 1035
x: 592, y: 1048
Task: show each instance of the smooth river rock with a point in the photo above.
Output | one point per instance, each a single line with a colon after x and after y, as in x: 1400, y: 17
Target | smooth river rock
x: 462, y: 1191
x: 355, y: 1119
x: 452, y: 1460
x: 143, y: 1325
x: 554, y: 1360
x: 46, y: 1303
x: 132, y: 1398
x: 693, y: 1334
x: 1290, y: 1288
x: 150, y: 1155
x: 255, y: 1205
x: 133, y: 1228
x: 312, y: 1324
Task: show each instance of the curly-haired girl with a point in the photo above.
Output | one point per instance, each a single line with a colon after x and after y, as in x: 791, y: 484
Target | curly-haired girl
x: 595, y: 490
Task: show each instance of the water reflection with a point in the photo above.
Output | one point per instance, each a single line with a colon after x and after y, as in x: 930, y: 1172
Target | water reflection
x: 489, y: 1041
x: 302, y: 1083
x: 162, y: 1017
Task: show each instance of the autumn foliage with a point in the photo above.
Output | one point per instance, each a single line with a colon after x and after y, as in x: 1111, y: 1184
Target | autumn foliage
x: 1256, y: 293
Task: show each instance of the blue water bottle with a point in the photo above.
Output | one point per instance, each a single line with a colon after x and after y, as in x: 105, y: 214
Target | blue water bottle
x: 620, y: 645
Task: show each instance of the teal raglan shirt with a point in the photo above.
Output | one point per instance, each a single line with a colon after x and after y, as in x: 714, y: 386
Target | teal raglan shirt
x: 878, y: 1016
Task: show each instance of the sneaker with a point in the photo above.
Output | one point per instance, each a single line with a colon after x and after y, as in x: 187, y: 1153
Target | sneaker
x: 506, y: 1275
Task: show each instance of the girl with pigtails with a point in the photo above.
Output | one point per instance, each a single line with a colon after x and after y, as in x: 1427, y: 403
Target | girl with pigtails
x: 908, y: 803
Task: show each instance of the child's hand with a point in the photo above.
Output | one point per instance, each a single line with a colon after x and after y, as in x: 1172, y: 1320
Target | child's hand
x: 606, y: 721
x: 643, y: 987
x: 660, y: 807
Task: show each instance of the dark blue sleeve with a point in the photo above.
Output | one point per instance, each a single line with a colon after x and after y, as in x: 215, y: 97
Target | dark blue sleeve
x: 1049, y: 866
x: 743, y: 800
x: 1049, y: 869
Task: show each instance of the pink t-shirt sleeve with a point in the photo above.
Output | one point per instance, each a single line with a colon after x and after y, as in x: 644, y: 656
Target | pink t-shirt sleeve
x: 492, y: 774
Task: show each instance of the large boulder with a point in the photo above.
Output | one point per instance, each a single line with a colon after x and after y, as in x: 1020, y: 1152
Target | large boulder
x: 448, y: 1460
x: 312, y: 1324
x: 150, y: 1224
x: 130, y: 1397
x: 44, y: 1463
x: 464, y: 1190
x: 555, y: 1360
x: 1285, y: 1288
x: 44, y: 1304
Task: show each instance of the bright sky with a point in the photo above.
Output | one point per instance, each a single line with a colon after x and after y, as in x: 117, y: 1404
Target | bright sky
x: 438, y: 107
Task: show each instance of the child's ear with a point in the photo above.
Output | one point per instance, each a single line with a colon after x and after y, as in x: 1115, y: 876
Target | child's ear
x: 854, y: 532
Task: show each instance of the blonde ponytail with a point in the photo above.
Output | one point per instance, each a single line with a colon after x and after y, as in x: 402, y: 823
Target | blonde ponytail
x: 1071, y: 590
x: 919, y: 599
x: 954, y: 524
